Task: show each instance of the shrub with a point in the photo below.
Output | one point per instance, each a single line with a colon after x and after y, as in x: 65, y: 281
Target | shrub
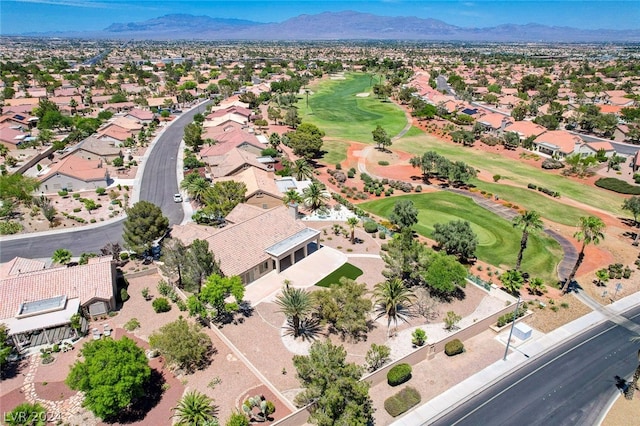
x: 508, y: 317
x: 399, y: 374
x: 124, y: 295
x: 100, y: 190
x: 77, y: 210
x: 636, y: 177
x: 382, y: 235
x: 532, y: 186
x: 617, y: 185
x: 124, y: 256
x: 453, y: 347
x: 338, y: 166
x: 161, y: 305
x: 163, y: 288
x: 350, y: 174
x: 418, y: 337
x: 418, y: 188
x: 402, y: 401
x: 132, y: 324
x: 496, y: 178
x: 63, y: 193
x: 383, y: 163
x: 370, y: 227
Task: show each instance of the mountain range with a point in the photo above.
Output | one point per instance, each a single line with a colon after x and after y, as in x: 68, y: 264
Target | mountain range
x: 347, y: 25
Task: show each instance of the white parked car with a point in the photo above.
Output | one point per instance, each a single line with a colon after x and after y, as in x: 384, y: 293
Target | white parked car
x: 177, y: 198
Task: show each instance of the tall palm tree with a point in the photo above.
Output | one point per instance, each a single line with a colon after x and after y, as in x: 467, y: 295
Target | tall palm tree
x: 631, y: 387
x: 295, y: 304
x: 196, y: 187
x: 591, y: 232
x: 529, y: 222
x: 353, y: 222
x: 512, y: 281
x: 315, y: 195
x: 195, y: 409
x: 292, y: 196
x: 302, y: 170
x: 393, y: 299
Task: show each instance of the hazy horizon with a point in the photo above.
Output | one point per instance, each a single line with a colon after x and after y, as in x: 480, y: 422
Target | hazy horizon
x: 29, y: 16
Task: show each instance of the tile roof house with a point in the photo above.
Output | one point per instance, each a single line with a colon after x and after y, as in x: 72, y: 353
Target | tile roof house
x: 592, y: 148
x: 37, y: 303
x: 93, y: 148
x: 262, y: 190
x: 526, y: 129
x: 74, y: 173
x: 115, y: 134
x: 557, y: 143
x: 267, y: 240
x: 140, y: 115
x: 12, y: 138
x: 495, y: 121
x: 234, y: 161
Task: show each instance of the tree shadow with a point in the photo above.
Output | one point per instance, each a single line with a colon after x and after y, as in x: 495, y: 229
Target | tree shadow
x: 13, y: 368
x: 621, y: 384
x: 310, y: 329
x: 140, y: 407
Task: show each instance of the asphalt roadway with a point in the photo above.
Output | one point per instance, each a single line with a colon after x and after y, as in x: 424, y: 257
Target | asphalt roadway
x: 569, y: 385
x: 158, y: 184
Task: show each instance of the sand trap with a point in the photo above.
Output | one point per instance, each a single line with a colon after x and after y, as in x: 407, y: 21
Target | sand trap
x: 363, y: 95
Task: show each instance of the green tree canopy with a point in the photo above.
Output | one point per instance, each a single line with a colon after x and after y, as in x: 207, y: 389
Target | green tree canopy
x: 306, y: 140
x: 26, y: 414
x: 193, y: 136
x: 457, y: 238
x: 183, y: 345
x: 145, y: 223
x: 632, y: 205
x: 216, y: 289
x: 404, y: 214
x: 5, y: 349
x: 381, y: 138
x: 61, y: 256
x: 223, y: 196
x: 340, y: 397
x: 345, y: 307
x: 445, y: 274
x: 112, y: 375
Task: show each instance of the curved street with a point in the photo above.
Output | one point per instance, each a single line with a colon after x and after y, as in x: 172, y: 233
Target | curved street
x: 157, y: 182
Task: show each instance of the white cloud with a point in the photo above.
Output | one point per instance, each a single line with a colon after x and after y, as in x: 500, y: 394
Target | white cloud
x: 69, y: 3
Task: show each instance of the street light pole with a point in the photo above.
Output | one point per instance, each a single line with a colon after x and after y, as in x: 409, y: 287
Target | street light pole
x: 513, y: 324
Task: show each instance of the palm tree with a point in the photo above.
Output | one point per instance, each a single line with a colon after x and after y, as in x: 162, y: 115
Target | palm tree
x: 292, y: 196
x: 512, y: 281
x: 315, y: 195
x: 295, y: 304
x: 302, y: 170
x: 195, y: 409
x: 631, y: 387
x: 196, y: 187
x: 530, y: 223
x: 61, y: 256
x: 591, y: 232
x: 353, y: 222
x: 393, y: 299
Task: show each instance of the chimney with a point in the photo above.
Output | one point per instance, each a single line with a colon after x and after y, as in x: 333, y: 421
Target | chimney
x: 293, y: 210
x: 503, y: 124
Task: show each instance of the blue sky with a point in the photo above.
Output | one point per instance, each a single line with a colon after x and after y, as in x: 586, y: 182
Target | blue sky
x: 20, y: 16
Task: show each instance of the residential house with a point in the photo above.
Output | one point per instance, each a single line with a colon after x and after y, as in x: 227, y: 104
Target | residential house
x: 495, y: 122
x: 12, y: 138
x: 592, y: 148
x: 255, y: 241
x: 525, y: 129
x: 557, y: 143
x: 93, y: 148
x: 234, y: 161
x: 74, y: 173
x: 143, y: 117
x: 18, y: 120
x: 38, y: 302
x: 114, y: 135
x: 262, y: 190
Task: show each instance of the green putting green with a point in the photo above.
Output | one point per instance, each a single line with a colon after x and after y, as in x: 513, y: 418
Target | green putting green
x: 347, y: 270
x: 341, y: 109
x: 498, y: 240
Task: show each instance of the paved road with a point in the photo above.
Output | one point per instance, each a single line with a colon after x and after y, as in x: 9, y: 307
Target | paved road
x: 570, y: 385
x: 159, y: 183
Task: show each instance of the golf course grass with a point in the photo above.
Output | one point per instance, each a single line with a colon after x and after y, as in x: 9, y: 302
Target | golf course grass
x: 346, y: 270
x: 498, y: 240
x: 336, y: 108
x: 516, y: 172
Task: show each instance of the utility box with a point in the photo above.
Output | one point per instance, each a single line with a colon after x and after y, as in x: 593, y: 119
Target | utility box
x: 522, y: 331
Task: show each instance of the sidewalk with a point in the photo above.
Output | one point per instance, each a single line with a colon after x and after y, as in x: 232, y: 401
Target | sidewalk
x: 431, y: 410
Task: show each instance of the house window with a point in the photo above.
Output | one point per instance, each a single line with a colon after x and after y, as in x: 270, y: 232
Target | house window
x: 264, y: 206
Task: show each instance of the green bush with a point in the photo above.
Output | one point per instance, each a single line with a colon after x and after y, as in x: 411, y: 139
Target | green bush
x: 124, y: 295
x: 370, y: 227
x: 508, y: 317
x: 77, y: 210
x: 132, y: 324
x: 617, y: 185
x: 399, y: 374
x: 382, y: 235
x: 636, y: 177
x: 124, y: 256
x: 383, y: 163
x: 63, y: 193
x: 161, y: 305
x: 402, y: 401
x: 418, y: 188
x: 453, y: 347
x: 9, y: 227
x: 164, y: 288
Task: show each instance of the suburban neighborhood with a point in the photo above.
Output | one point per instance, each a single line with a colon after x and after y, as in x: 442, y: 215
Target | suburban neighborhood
x: 325, y: 233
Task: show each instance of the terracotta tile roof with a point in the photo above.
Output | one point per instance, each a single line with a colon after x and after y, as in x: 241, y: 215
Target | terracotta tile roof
x: 11, y: 136
x: 241, y: 246
x: 230, y: 162
x: 597, y: 146
x: 565, y: 141
x: 526, y: 128
x: 494, y: 120
x: 77, y: 167
x: 256, y: 180
x: 20, y: 265
x: 97, y: 146
x: 94, y: 280
x: 127, y: 123
x: 243, y: 212
x: 610, y: 109
x: 140, y: 114
x: 22, y: 101
x: 115, y: 132
x: 621, y: 101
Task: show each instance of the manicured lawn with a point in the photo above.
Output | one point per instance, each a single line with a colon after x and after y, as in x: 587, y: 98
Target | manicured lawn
x: 515, y: 171
x: 548, y: 207
x: 335, y: 151
x: 346, y: 270
x: 335, y: 108
x: 499, y: 241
